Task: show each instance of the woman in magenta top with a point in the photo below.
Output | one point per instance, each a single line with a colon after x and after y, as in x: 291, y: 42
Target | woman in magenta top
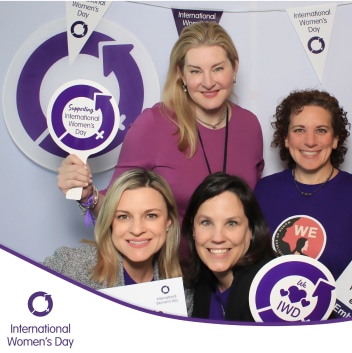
x: 195, y: 131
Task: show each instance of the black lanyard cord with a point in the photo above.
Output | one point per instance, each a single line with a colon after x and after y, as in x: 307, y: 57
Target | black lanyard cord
x: 225, y: 147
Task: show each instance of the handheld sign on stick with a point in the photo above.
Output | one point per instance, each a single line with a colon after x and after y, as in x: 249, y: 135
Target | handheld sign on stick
x: 83, y: 118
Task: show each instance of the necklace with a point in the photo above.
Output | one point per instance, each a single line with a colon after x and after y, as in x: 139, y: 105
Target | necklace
x: 317, y: 189
x: 223, y: 310
x: 219, y: 121
x: 225, y: 145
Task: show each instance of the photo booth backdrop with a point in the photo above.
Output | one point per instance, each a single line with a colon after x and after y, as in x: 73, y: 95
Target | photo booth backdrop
x: 35, y: 216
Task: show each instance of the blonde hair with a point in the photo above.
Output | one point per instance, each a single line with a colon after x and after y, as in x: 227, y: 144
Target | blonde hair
x: 107, y: 266
x: 173, y: 97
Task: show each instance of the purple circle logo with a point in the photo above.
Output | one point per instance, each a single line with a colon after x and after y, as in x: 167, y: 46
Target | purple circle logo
x: 45, y: 304
x: 292, y: 288
x: 121, y: 77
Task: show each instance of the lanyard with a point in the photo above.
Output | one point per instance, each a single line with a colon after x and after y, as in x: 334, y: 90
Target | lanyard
x: 225, y: 147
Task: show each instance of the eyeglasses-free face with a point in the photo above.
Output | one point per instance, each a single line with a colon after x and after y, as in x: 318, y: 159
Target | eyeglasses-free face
x: 140, y: 226
x: 222, y: 235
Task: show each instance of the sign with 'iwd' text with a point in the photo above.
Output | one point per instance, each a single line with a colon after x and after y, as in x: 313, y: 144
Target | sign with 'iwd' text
x: 292, y: 288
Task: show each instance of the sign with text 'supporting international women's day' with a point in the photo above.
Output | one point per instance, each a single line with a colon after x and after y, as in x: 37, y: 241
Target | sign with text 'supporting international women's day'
x: 83, y: 118
x: 84, y: 99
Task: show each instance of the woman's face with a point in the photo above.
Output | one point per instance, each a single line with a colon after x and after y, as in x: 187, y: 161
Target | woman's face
x: 140, y: 225
x: 209, y: 76
x: 311, y: 139
x: 221, y: 234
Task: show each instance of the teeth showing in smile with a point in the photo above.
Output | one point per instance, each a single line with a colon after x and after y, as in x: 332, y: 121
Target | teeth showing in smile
x: 308, y: 153
x: 138, y: 242
x: 218, y: 251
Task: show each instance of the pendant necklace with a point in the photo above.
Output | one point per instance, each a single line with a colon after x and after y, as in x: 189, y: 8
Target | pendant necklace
x: 225, y: 145
x: 314, y: 191
x: 214, y: 126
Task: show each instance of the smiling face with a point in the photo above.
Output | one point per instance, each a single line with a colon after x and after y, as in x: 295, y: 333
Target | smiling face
x: 222, y: 235
x: 209, y: 76
x: 140, y: 225
x: 311, y: 139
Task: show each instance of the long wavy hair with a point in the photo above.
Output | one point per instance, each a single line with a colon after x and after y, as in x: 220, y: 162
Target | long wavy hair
x: 173, y: 97
x: 167, y: 259
x: 213, y: 185
x: 293, y: 104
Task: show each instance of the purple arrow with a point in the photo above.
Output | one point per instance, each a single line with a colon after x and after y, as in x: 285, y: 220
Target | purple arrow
x: 118, y: 60
x: 323, y: 293
x: 281, y: 271
x: 46, y: 55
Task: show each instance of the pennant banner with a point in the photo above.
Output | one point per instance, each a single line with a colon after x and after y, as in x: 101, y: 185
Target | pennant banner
x: 82, y: 17
x: 314, y: 26
x: 184, y: 18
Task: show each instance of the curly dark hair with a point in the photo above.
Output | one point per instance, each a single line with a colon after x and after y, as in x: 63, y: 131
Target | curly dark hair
x: 294, y: 104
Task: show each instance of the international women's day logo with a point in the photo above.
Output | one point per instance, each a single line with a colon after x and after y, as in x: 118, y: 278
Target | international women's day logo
x: 292, y: 289
x: 52, y: 107
x: 40, y: 303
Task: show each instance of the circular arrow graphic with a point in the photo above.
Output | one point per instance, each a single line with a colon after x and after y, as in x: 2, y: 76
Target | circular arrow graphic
x: 81, y: 25
x: 111, y: 57
x: 319, y: 49
x: 47, y: 298
x: 292, y: 288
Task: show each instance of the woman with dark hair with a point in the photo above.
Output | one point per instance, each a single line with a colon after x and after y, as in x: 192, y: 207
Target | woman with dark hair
x: 230, y: 242
x: 311, y: 131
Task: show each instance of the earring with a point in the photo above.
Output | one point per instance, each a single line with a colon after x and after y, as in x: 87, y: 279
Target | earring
x: 234, y: 81
x: 167, y: 229
x: 184, y: 88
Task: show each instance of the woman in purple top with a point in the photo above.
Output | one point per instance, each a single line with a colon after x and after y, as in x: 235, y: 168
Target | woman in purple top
x: 193, y: 132
x: 230, y: 243
x: 312, y: 198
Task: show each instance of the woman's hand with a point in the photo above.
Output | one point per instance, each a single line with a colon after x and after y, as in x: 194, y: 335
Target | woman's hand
x: 74, y: 173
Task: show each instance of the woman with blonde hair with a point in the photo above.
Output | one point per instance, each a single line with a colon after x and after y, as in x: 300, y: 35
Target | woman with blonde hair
x: 136, y: 236
x: 195, y: 131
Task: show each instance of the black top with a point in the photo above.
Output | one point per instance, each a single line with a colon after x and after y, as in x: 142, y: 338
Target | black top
x: 237, y: 306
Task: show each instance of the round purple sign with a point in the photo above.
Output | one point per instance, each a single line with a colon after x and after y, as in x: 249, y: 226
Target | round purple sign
x: 292, y: 288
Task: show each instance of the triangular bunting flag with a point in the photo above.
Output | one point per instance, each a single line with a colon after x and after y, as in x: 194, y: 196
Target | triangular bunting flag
x: 82, y: 17
x: 184, y: 18
x: 314, y: 26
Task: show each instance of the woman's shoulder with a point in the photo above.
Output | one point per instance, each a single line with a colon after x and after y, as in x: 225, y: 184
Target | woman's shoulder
x: 237, y: 109
x: 189, y: 298
x: 154, y: 119
x: 156, y: 113
x: 274, y: 178
x: 345, y: 176
x: 256, y: 266
x: 65, y: 255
